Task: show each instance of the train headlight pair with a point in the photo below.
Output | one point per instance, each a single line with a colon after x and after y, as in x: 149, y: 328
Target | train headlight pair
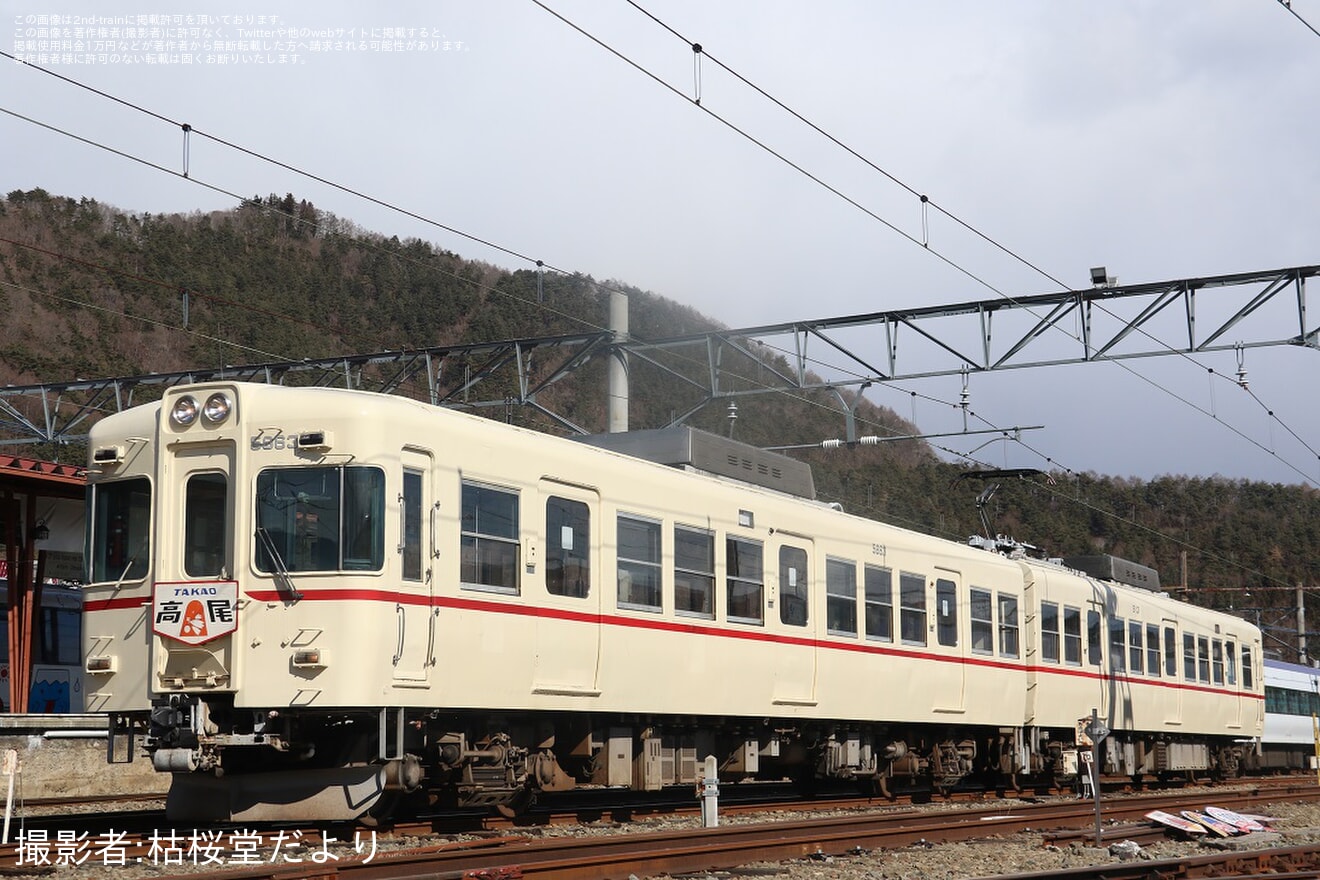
x: 213, y: 412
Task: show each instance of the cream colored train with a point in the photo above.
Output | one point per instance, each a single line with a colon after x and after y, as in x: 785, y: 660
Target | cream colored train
x: 320, y: 602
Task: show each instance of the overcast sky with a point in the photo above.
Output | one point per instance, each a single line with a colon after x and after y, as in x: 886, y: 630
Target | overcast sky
x: 1160, y: 140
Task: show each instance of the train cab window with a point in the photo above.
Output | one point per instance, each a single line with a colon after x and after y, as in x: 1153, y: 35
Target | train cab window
x: 794, y: 598
x: 912, y: 608
x: 1152, y: 649
x: 120, y: 518
x: 1117, y: 643
x: 488, y: 549
x: 694, y: 572
x: 1170, y: 652
x: 1008, y: 625
x: 946, y: 612
x: 983, y: 624
x: 1136, y: 647
x: 206, y: 499
x: 1217, y: 662
x: 1203, y: 658
x: 744, y: 563
x: 1248, y: 674
x: 1094, y: 649
x: 410, y: 548
x: 1230, y: 663
x: 1189, y: 657
x: 567, y: 548
x: 879, y: 589
x: 639, y: 563
x: 841, y: 597
x: 1072, y: 636
x: 320, y: 519
x: 1049, y: 632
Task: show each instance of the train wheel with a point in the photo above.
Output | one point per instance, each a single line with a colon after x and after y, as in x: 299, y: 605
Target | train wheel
x: 518, y: 805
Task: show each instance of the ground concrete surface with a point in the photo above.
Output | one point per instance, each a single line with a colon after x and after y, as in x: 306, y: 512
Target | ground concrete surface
x: 65, y: 756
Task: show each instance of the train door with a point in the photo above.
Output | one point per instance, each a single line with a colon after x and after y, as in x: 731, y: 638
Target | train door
x: 1174, y: 694
x: 793, y: 670
x: 950, y: 640
x: 1231, y: 681
x: 568, y: 631
x: 413, y: 610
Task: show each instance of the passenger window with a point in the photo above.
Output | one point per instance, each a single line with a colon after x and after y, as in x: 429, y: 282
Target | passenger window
x: 1094, y: 649
x: 1217, y: 662
x: 488, y: 548
x: 1152, y: 649
x: 841, y: 597
x: 694, y: 572
x: 1136, y: 650
x: 1072, y: 636
x: 745, y: 580
x: 1248, y: 674
x: 639, y: 563
x: 879, y: 588
x: 946, y: 612
x: 794, y: 596
x: 567, y: 548
x: 912, y: 607
x: 1189, y: 657
x: 1203, y: 658
x: 1008, y: 625
x: 1117, y: 643
x: 1170, y: 652
x: 1049, y: 632
x: 1231, y: 668
x: 983, y: 626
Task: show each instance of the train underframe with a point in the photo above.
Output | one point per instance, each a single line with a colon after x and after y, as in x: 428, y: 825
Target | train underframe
x: 241, y: 765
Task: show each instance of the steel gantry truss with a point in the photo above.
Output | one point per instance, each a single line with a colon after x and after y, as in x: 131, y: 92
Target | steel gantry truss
x: 856, y: 350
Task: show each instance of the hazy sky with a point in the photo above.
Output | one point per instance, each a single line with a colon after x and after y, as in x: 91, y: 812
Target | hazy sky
x: 1160, y: 140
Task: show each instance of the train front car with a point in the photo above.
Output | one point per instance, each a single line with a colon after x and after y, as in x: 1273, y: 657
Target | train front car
x: 230, y: 529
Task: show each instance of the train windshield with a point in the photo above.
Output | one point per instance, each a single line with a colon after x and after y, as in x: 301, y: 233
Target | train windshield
x: 120, y: 529
x: 321, y: 519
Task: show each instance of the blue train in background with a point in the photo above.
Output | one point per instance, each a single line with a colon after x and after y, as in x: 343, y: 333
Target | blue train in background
x: 57, y: 671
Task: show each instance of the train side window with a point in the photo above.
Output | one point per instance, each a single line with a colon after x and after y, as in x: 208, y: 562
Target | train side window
x: 1049, y: 632
x: 120, y: 529
x: 841, y: 597
x: 1117, y: 643
x: 411, y: 546
x: 1072, y: 636
x: 1203, y: 658
x: 1153, y: 649
x: 912, y: 607
x: 1189, y: 657
x: 879, y: 588
x: 489, y: 538
x: 744, y: 563
x: 1230, y: 658
x: 1248, y: 674
x: 567, y: 548
x: 794, y: 597
x: 1170, y: 652
x: 1094, y: 649
x: 1008, y: 625
x: 639, y: 563
x: 1217, y: 661
x: 1136, y: 648
x: 206, y: 501
x: 694, y: 572
x: 946, y: 612
x: 983, y: 624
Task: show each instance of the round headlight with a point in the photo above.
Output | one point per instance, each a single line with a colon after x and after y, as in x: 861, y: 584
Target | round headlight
x: 217, y: 408
x: 184, y: 412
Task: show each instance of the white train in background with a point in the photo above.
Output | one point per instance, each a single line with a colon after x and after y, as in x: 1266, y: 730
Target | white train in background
x: 1292, y: 703
x: 324, y: 602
